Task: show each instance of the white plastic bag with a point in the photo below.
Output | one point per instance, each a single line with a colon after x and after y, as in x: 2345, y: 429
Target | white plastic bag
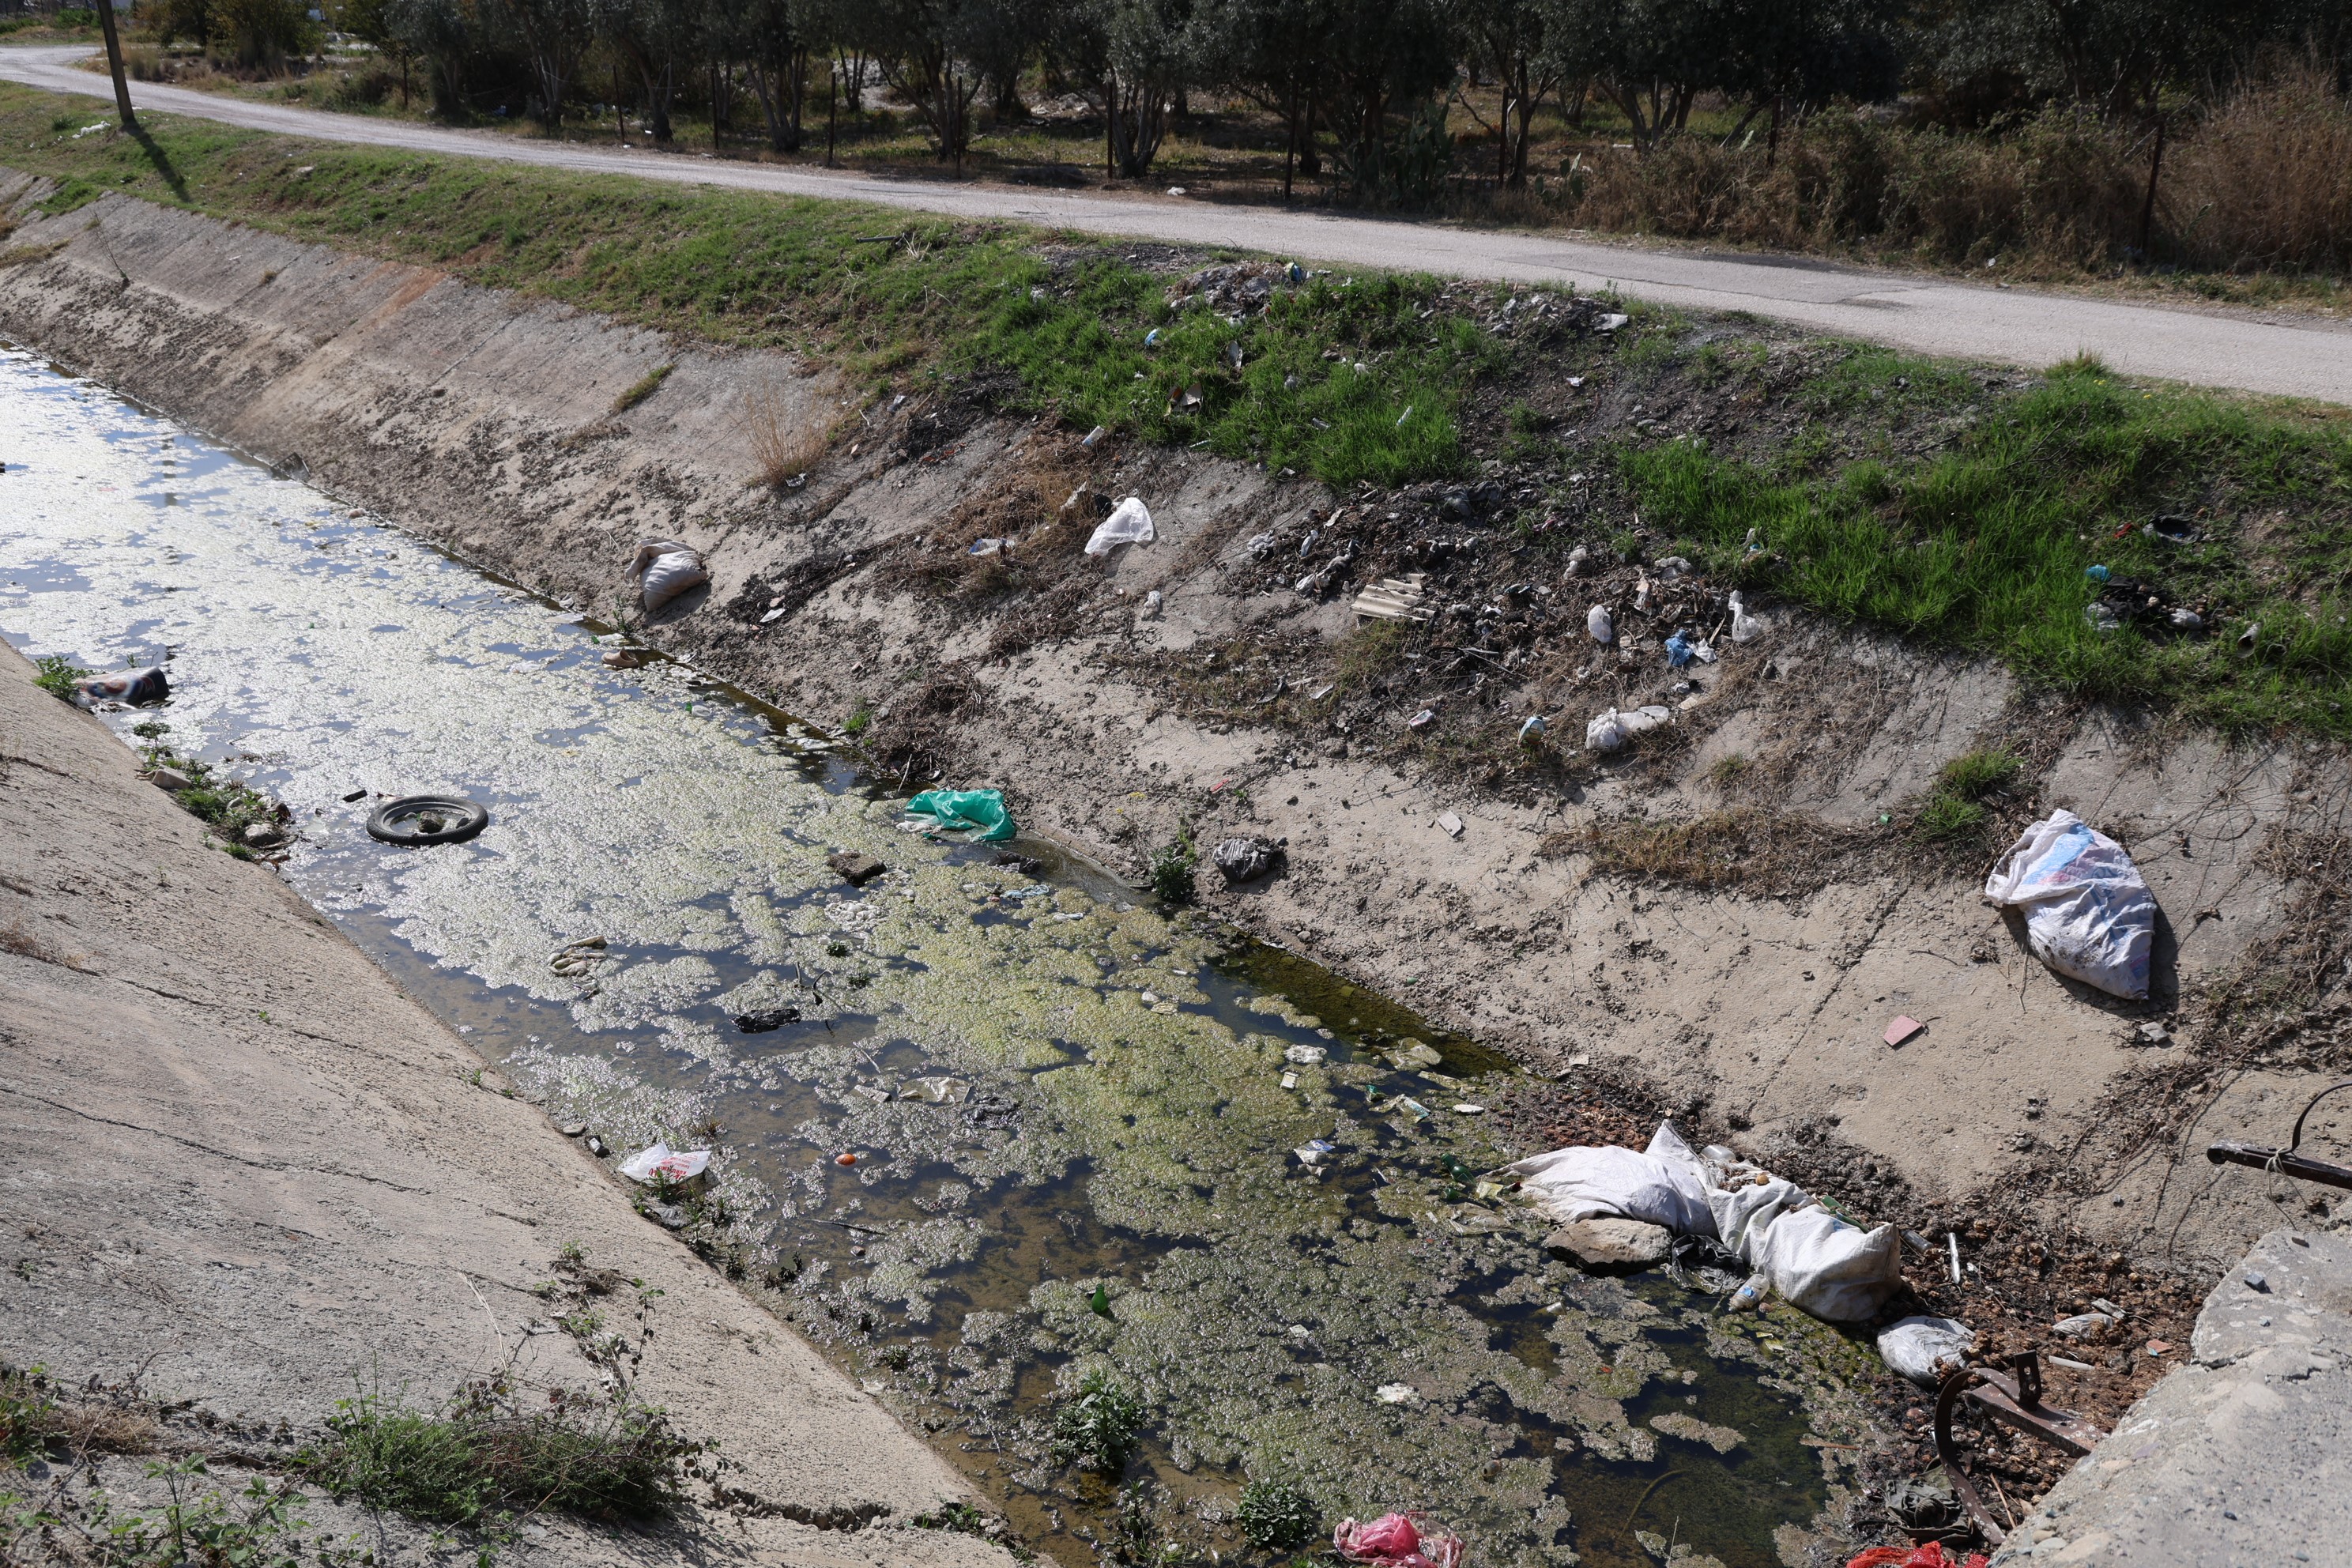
x: 1820, y: 1263
x: 1610, y: 729
x: 1129, y: 523
x: 1745, y: 627
x: 659, y: 1167
x: 1663, y: 1185
x: 2089, y: 912
x: 664, y: 568
x: 1597, y: 623
x: 1923, y: 1348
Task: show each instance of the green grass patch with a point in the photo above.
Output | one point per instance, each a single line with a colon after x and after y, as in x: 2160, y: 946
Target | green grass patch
x: 484, y: 1456
x: 1173, y: 867
x: 1053, y: 324
x: 645, y: 386
x: 1098, y: 1428
x: 1985, y: 546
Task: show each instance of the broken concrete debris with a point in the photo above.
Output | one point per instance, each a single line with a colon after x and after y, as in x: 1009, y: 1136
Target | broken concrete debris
x: 854, y: 868
x: 1606, y: 1242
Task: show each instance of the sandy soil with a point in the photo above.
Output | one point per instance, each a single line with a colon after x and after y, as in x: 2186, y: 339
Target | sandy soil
x: 484, y: 423
x: 251, y: 1176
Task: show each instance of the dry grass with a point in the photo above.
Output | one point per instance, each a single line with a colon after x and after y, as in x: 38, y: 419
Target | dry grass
x: 16, y: 938
x: 2266, y: 182
x: 785, y: 444
x: 1767, y: 853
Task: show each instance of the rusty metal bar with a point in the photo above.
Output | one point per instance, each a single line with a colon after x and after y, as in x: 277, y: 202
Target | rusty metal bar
x: 2285, y: 1161
x: 2014, y: 1402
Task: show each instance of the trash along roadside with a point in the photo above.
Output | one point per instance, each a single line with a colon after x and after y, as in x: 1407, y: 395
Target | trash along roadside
x: 2089, y: 912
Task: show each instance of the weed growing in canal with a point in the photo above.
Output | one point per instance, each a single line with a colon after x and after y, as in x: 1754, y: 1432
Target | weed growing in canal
x: 58, y: 675
x: 28, y: 1415
x: 485, y: 1454
x: 645, y: 386
x: 1098, y: 1428
x: 1956, y: 808
x: 228, y: 807
x: 1173, y: 866
x: 1275, y: 1516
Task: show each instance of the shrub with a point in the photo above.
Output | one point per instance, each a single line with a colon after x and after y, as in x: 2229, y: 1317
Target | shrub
x: 58, y: 675
x: 1097, y: 1427
x: 1173, y: 866
x: 1276, y: 1515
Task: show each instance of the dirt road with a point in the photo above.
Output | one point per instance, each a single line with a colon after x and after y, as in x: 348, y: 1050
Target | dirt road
x: 1915, y: 311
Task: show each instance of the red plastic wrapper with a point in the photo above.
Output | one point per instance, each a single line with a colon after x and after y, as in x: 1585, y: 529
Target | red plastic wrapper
x: 1396, y: 1540
x: 1930, y: 1554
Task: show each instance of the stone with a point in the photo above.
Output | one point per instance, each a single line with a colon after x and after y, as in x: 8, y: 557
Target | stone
x: 1613, y: 1243
x: 854, y: 868
x: 170, y: 779
x: 263, y: 835
x: 573, y: 1128
x: 1242, y: 860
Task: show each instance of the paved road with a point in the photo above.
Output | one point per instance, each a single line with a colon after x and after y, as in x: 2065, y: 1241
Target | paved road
x: 1926, y: 315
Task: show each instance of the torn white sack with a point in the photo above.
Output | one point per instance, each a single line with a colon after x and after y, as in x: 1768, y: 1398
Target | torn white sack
x: 2089, y: 912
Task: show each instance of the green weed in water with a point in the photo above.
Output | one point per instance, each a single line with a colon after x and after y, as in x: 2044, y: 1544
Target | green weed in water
x: 1098, y: 1428
x: 1275, y: 1516
x: 58, y: 675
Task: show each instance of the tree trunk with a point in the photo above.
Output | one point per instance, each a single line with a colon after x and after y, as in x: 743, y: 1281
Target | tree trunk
x: 2146, y: 205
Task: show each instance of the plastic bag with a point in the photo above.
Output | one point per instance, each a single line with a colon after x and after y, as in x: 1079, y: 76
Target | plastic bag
x: 1396, y: 1540
x: 1835, y: 1270
x: 1597, y: 623
x: 978, y: 811
x: 659, y: 1167
x: 1745, y: 627
x: 664, y: 568
x: 1919, y: 1346
x: 1128, y: 523
x: 1610, y: 729
x: 2089, y: 912
x: 133, y: 689
x: 1929, y: 1555
x: 1663, y: 1185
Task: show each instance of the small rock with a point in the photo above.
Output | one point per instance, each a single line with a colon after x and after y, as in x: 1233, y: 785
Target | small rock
x: 573, y: 1128
x: 854, y: 868
x: 263, y: 835
x: 1613, y: 1243
x: 1242, y: 860
x: 669, y: 1217
x: 1451, y: 824
x: 170, y: 779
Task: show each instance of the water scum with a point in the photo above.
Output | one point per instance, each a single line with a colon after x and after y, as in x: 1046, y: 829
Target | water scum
x: 1075, y: 1149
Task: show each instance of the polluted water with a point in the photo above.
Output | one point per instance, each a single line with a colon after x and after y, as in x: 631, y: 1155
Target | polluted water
x: 1124, y: 1211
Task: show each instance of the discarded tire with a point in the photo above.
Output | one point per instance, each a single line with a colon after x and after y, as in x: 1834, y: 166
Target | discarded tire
x: 417, y: 819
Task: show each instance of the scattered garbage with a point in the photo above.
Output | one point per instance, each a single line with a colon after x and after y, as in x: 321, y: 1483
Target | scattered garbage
x: 1597, y: 623
x: 1580, y: 562
x: 420, y: 819
x: 1093, y: 436
x: 1397, y: 1540
x: 1395, y: 1393
x: 2099, y: 617
x: 1925, y: 1349
x: 664, y: 568
x: 1679, y: 650
x: 979, y: 812
x: 990, y: 546
x: 2097, y: 574
x: 1394, y: 599
x: 660, y: 1167
x: 854, y: 868
x: 357, y: 795
x: 1532, y: 731
x: 1128, y: 523
x: 2246, y: 639
x: 1304, y: 1055
x: 1421, y: 720
x: 626, y: 659
x: 577, y: 958
x: 2082, y: 1325
x: 1612, y: 321
x: 132, y: 689
x: 1242, y: 860
x: 1610, y: 729
x: 1901, y: 1029
x: 846, y: 1157
x: 2089, y: 912
x: 1930, y: 1554
x: 1745, y: 627
x: 2185, y: 619
x: 1310, y: 1153
x: 2173, y: 530
x: 1450, y: 824
x: 1815, y: 1260
x: 765, y: 1019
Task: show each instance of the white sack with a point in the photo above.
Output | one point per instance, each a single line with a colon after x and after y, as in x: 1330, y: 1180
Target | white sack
x: 658, y: 1165
x: 1820, y: 1263
x: 1663, y: 1186
x: 1914, y: 1347
x: 1129, y: 524
x: 1610, y: 729
x: 1597, y: 625
x: 2089, y: 912
x: 665, y: 569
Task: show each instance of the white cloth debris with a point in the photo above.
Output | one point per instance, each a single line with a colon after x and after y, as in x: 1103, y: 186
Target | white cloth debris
x: 2089, y: 912
x: 1610, y: 729
x: 1815, y: 1260
x: 1128, y: 523
x: 1923, y: 1348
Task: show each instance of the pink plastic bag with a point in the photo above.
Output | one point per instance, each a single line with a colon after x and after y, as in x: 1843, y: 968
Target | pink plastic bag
x: 1396, y: 1540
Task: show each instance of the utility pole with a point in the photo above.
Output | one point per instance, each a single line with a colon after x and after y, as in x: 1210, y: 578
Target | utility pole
x: 115, y: 64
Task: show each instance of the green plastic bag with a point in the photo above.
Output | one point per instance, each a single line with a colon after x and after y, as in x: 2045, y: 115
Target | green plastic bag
x: 980, y: 811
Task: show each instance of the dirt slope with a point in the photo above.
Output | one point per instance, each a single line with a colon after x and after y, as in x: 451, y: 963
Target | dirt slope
x: 247, y: 1169
x: 485, y: 424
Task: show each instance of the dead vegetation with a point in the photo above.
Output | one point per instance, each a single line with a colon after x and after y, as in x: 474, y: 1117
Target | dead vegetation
x: 25, y: 942
x: 1769, y: 854
x: 786, y: 445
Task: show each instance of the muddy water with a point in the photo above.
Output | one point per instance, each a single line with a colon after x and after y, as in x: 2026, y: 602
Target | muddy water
x: 1076, y: 1120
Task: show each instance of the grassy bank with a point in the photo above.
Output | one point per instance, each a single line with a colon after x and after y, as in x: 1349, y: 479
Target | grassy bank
x: 1953, y: 507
